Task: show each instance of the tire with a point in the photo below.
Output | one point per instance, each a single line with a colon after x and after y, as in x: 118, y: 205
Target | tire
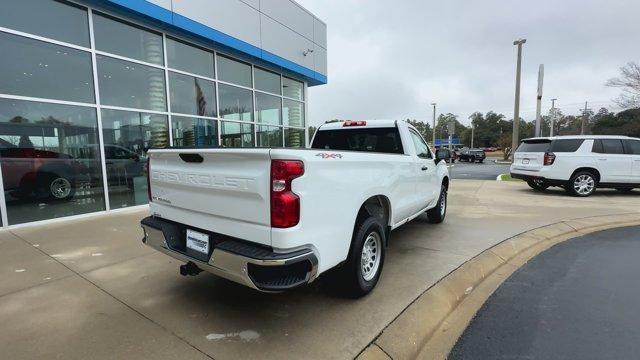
x: 480, y: 161
x: 360, y: 273
x: 437, y: 214
x: 538, y: 185
x: 53, y: 186
x: 582, y: 184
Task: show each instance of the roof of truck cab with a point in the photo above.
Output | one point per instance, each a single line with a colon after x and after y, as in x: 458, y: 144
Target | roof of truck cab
x: 579, y: 137
x: 370, y: 124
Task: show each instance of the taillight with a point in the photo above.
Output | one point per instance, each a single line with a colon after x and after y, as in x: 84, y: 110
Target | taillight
x: 285, y: 205
x: 354, y: 123
x: 549, y: 158
x: 148, y: 169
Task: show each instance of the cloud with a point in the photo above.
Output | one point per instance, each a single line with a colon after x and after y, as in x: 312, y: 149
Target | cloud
x: 391, y: 59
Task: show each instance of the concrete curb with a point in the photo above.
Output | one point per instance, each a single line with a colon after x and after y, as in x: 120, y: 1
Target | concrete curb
x: 430, y: 326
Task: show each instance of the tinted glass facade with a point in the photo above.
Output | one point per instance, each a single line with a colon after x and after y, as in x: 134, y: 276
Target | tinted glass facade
x: 85, y: 93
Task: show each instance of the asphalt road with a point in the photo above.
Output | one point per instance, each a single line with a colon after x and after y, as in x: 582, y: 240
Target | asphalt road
x: 578, y: 300
x: 488, y: 170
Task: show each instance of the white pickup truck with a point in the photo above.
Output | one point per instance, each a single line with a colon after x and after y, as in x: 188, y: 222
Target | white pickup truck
x: 274, y: 219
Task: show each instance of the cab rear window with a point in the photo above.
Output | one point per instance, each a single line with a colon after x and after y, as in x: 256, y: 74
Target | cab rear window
x: 382, y: 140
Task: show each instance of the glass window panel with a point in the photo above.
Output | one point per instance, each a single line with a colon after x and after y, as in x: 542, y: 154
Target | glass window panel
x: 191, y: 95
x: 267, y: 81
x: 122, y: 39
x: 269, y: 136
x: 234, y: 71
x: 49, y: 167
x: 127, y: 136
x: 268, y: 109
x: 235, y: 135
x: 294, y: 138
x: 126, y: 84
x: 38, y: 69
x: 189, y: 58
x: 293, y: 113
x: 194, y: 132
x: 52, y: 19
x: 293, y: 89
x: 235, y: 103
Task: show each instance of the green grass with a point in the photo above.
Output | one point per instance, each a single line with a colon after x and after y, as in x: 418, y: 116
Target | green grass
x: 507, y: 177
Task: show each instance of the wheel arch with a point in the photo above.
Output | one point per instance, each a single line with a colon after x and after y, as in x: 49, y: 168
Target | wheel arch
x: 377, y: 206
x: 592, y: 170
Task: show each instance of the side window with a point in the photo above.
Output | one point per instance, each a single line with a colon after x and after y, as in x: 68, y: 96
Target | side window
x: 612, y: 146
x: 566, y: 145
x: 422, y: 150
x: 632, y: 147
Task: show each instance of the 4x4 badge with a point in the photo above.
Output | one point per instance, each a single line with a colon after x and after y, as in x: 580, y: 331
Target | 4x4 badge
x: 330, y: 155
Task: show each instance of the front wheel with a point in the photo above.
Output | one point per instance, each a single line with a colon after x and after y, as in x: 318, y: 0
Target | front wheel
x: 360, y: 274
x: 582, y: 183
x: 437, y: 214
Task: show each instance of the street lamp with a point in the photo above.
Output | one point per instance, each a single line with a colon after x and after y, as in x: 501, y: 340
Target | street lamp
x: 516, y: 106
x: 433, y: 140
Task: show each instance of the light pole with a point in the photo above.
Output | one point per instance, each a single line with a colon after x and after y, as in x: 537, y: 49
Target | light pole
x: 516, y: 106
x: 433, y: 140
x: 553, y: 115
x: 473, y: 128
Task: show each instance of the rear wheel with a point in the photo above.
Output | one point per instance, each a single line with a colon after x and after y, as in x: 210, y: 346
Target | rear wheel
x: 360, y: 274
x: 438, y: 213
x: 53, y: 186
x: 582, y: 183
x: 537, y: 184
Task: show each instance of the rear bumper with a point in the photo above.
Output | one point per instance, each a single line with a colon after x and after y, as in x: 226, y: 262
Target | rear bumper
x: 252, y: 265
x: 526, y: 177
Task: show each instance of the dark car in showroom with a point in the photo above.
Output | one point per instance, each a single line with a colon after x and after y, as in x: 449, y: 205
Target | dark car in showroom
x: 472, y: 155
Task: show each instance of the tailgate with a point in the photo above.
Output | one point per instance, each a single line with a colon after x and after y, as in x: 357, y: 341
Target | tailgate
x: 528, y: 161
x: 219, y: 190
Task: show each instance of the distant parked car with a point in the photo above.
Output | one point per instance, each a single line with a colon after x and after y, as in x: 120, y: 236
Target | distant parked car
x: 580, y: 164
x: 472, y: 155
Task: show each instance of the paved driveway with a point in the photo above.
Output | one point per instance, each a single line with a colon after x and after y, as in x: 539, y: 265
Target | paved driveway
x: 488, y: 170
x: 89, y: 288
x: 577, y: 300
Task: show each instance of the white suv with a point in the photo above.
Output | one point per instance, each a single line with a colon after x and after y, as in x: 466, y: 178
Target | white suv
x: 580, y: 164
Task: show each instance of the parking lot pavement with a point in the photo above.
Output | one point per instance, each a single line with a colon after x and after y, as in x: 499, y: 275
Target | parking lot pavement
x: 577, y: 300
x: 488, y: 170
x: 89, y: 289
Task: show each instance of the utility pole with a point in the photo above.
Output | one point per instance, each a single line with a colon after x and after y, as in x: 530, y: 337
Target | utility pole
x: 539, y: 101
x: 516, y: 107
x: 473, y: 128
x: 433, y: 143
x: 585, y: 113
x: 553, y: 115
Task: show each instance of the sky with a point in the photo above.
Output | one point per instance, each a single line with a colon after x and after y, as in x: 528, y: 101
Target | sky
x: 392, y: 59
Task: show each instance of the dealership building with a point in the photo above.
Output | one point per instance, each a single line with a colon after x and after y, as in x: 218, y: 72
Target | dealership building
x: 87, y: 87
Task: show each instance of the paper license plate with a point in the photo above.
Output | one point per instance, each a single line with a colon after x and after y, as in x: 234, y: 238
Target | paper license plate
x: 198, y: 241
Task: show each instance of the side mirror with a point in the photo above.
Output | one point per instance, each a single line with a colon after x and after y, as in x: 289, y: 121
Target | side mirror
x: 442, y: 154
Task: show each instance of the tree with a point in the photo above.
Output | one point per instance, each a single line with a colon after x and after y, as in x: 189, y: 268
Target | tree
x: 629, y: 83
x: 442, y: 131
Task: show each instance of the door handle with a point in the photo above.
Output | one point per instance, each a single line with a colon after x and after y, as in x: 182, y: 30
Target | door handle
x: 602, y: 159
x: 424, y: 168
